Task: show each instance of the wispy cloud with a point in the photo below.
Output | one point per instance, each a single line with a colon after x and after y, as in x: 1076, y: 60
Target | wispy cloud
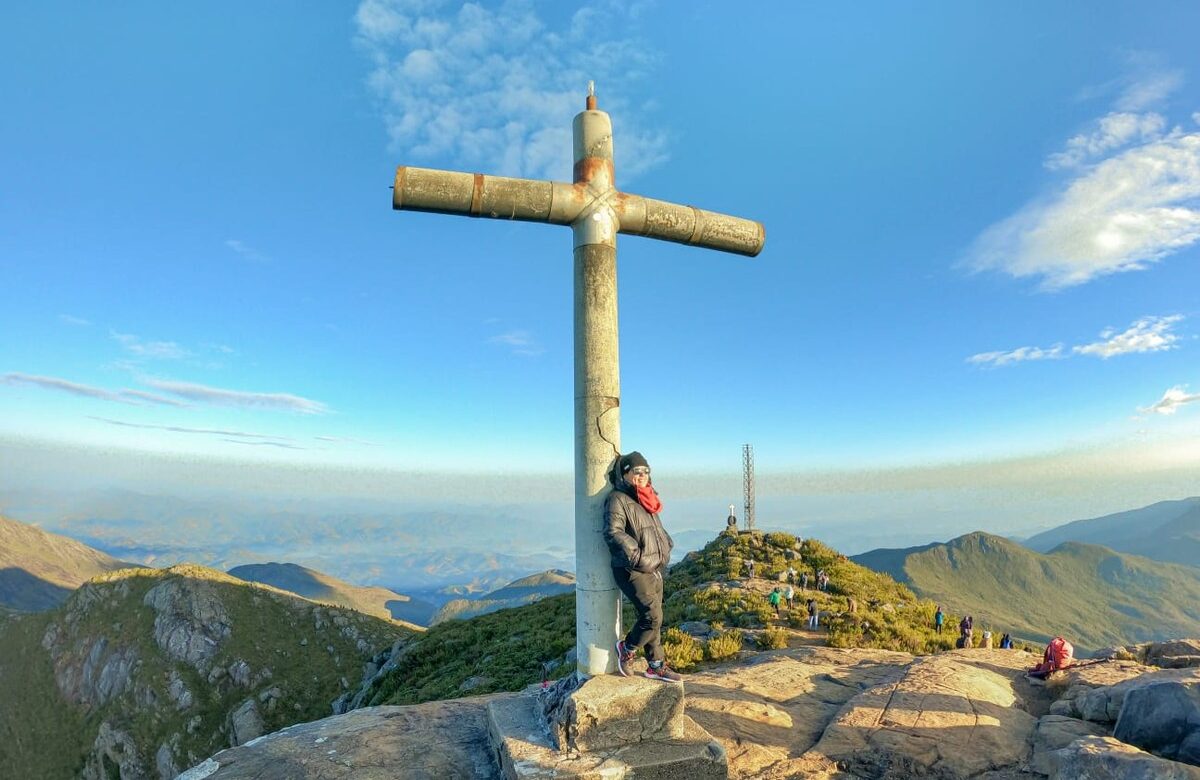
x: 156, y: 350
x: 238, y: 398
x: 345, y: 440
x: 70, y: 320
x: 125, y: 396
x: 280, y: 444
x: 265, y: 437
x: 1018, y: 355
x: 1131, y: 198
x: 1171, y: 401
x: 248, y: 252
x: 495, y: 88
x: 519, y: 342
x: 1148, y: 334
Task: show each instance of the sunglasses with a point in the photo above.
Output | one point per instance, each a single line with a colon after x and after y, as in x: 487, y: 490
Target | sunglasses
x: 640, y: 471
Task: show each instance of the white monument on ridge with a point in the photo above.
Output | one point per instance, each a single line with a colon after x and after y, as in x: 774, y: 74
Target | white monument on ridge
x: 596, y: 211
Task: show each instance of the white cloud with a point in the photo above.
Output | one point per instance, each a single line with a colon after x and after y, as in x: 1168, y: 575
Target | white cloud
x: 1149, y: 334
x: 521, y: 342
x: 67, y: 318
x: 1149, y: 88
x: 1171, y: 401
x: 158, y: 350
x: 135, y: 397
x: 1018, y: 355
x: 248, y: 252
x: 1112, y: 132
x: 495, y: 89
x: 1118, y: 213
x: 238, y: 398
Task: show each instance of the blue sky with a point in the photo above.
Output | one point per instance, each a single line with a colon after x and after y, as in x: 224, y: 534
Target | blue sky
x: 982, y: 238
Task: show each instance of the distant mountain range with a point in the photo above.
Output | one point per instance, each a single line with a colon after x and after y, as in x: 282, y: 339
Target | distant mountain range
x: 1088, y: 593
x: 316, y: 586
x: 517, y: 593
x: 1166, y: 531
x: 39, y: 570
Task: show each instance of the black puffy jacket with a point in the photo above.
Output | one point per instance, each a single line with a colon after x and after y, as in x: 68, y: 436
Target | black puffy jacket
x: 636, y: 538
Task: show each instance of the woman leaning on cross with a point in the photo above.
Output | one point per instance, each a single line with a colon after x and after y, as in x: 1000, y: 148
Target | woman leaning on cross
x: 641, y: 552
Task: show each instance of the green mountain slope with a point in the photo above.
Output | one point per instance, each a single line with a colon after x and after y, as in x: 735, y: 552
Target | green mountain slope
x: 142, y: 672
x: 1090, y: 594
x: 512, y: 648
x: 526, y: 590
x: 1166, y: 531
x: 38, y: 569
x: 318, y: 586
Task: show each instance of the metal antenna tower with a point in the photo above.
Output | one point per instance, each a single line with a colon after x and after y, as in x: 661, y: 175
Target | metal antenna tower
x: 748, y: 484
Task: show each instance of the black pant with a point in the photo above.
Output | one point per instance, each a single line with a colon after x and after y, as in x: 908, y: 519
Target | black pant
x: 645, y: 592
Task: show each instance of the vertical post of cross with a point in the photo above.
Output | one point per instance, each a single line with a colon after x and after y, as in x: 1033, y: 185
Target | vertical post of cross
x: 597, y: 389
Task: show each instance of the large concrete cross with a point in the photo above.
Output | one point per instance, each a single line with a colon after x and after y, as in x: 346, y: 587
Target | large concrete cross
x: 596, y: 211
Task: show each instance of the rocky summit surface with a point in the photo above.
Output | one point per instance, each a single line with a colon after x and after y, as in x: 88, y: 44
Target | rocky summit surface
x: 814, y: 712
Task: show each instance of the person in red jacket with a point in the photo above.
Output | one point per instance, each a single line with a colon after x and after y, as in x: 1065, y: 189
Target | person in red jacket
x: 641, y: 551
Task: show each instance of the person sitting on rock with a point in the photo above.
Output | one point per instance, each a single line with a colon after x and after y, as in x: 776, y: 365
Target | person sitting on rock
x: 641, y: 551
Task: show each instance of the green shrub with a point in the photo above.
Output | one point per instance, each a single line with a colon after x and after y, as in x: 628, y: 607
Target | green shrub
x: 773, y: 639
x: 723, y: 646
x: 683, y: 651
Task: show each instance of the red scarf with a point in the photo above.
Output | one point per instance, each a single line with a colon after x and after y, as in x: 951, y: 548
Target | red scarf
x: 649, y: 499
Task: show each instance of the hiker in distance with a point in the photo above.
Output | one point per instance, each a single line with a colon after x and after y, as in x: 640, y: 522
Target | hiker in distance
x: 641, y: 551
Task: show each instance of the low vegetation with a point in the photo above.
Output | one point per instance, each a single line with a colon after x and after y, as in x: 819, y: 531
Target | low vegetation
x: 513, y: 648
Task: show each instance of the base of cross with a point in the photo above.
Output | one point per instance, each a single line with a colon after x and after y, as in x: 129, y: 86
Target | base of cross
x: 603, y: 727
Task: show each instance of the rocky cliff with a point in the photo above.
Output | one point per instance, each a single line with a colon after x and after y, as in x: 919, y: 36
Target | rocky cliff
x: 143, y: 672
x: 816, y: 712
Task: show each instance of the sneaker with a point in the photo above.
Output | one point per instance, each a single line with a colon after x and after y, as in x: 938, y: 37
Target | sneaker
x: 624, y: 656
x: 664, y: 673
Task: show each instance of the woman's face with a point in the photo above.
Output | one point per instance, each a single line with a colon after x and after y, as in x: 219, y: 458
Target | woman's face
x: 639, y: 476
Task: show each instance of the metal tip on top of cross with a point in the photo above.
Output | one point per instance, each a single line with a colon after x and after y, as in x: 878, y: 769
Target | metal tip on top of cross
x: 596, y: 211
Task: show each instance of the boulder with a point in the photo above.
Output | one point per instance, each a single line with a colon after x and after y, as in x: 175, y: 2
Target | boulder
x: 430, y: 741
x: 1164, y: 719
x: 1175, y: 654
x: 1055, y: 732
x: 245, y: 723
x: 1102, y: 703
x: 696, y: 628
x: 608, y: 711
x: 112, y: 750
x: 1105, y: 758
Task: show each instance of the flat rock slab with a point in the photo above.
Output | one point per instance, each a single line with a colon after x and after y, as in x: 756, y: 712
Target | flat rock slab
x: 769, y: 708
x: 956, y: 714
x: 526, y: 750
x: 431, y: 741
